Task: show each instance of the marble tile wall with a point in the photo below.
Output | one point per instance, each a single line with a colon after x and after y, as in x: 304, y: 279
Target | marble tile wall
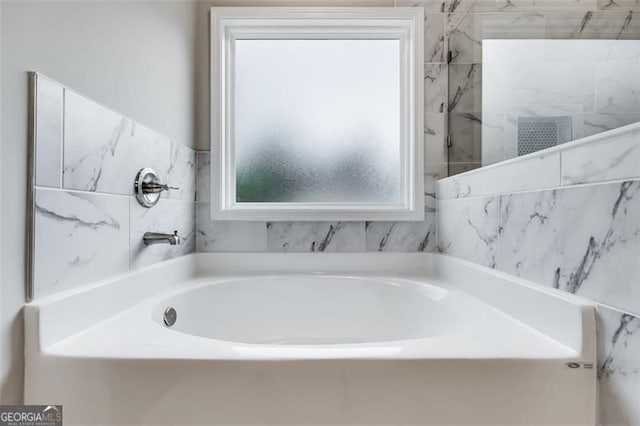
x: 354, y: 236
x: 467, y: 23
x: 225, y: 236
x: 595, y: 84
x: 87, y: 225
x: 568, y: 218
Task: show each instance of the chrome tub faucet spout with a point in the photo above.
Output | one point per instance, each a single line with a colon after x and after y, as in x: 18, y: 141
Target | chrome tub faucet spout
x: 151, y: 238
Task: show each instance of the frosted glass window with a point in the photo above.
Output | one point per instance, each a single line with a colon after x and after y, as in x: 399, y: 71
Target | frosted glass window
x: 317, y: 121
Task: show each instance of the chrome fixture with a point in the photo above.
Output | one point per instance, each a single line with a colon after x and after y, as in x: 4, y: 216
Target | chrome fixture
x: 147, y: 187
x: 151, y: 238
x: 170, y: 316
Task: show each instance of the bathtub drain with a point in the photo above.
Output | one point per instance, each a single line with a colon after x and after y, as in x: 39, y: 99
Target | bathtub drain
x: 170, y: 316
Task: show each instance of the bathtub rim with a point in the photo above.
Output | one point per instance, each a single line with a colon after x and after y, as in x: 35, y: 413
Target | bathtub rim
x: 570, y: 320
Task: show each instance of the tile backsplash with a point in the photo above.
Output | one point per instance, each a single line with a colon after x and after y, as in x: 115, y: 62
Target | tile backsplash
x: 87, y: 225
x: 225, y: 236
x: 568, y: 218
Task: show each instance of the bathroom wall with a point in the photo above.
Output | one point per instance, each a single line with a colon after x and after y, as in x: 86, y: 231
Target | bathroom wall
x: 88, y: 225
x: 137, y: 57
x: 567, y: 218
x: 590, y: 84
x: 453, y: 93
x: 469, y: 22
x: 328, y: 236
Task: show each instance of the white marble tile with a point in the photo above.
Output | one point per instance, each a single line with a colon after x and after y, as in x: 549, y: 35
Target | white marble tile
x: 592, y: 25
x: 402, y: 236
x: 472, y: 134
x: 436, y: 170
x: 463, y: 6
x: 617, y: 86
x: 538, y: 172
x: 469, y: 229
x: 465, y: 130
x: 48, y: 132
x: 493, y: 139
x: 228, y: 236
x: 619, y: 4
x: 103, y: 150
x: 459, y: 168
x: 434, y: 37
x: 584, y: 240
x: 535, y: 85
x: 465, y: 88
x: 429, y: 194
x: 430, y: 6
x: 595, y: 123
x: 203, y: 176
x: 611, y: 159
x: 435, y: 143
x: 618, y: 367
x: 517, y: 5
x: 79, y: 238
x: 166, y: 217
x: 182, y: 172
x: 518, y: 50
x: 592, y: 50
x: 316, y: 236
x: 468, y: 31
x: 464, y: 38
x: 435, y: 88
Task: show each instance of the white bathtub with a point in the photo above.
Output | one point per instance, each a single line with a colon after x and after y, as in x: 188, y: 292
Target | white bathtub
x: 313, y: 339
x: 320, y: 310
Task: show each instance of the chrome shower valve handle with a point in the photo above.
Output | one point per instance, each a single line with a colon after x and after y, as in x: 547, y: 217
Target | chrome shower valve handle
x: 156, y: 187
x: 147, y: 187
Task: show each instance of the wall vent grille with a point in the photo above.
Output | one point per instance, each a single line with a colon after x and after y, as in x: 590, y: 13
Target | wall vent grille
x: 538, y: 133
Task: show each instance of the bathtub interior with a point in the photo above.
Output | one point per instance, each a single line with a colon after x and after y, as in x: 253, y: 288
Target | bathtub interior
x: 320, y: 309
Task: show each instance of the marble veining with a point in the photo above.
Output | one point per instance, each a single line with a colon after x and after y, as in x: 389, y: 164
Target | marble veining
x: 469, y: 229
x: 233, y: 236
x: 435, y: 148
x: 465, y: 87
x: 466, y: 32
x: 618, y: 367
x: 103, y: 150
x: 601, y: 122
x: 88, y: 226
x: 434, y: 37
x: 609, y: 159
x: 619, y: 4
x: 79, y: 238
x: 402, y: 236
x: 592, y: 25
x: 435, y: 88
x: 584, y: 240
x: 203, y: 176
x: 182, y: 172
x: 617, y: 86
x: 315, y: 236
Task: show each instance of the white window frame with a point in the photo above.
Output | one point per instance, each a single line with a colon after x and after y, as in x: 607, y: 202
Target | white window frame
x: 232, y: 23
